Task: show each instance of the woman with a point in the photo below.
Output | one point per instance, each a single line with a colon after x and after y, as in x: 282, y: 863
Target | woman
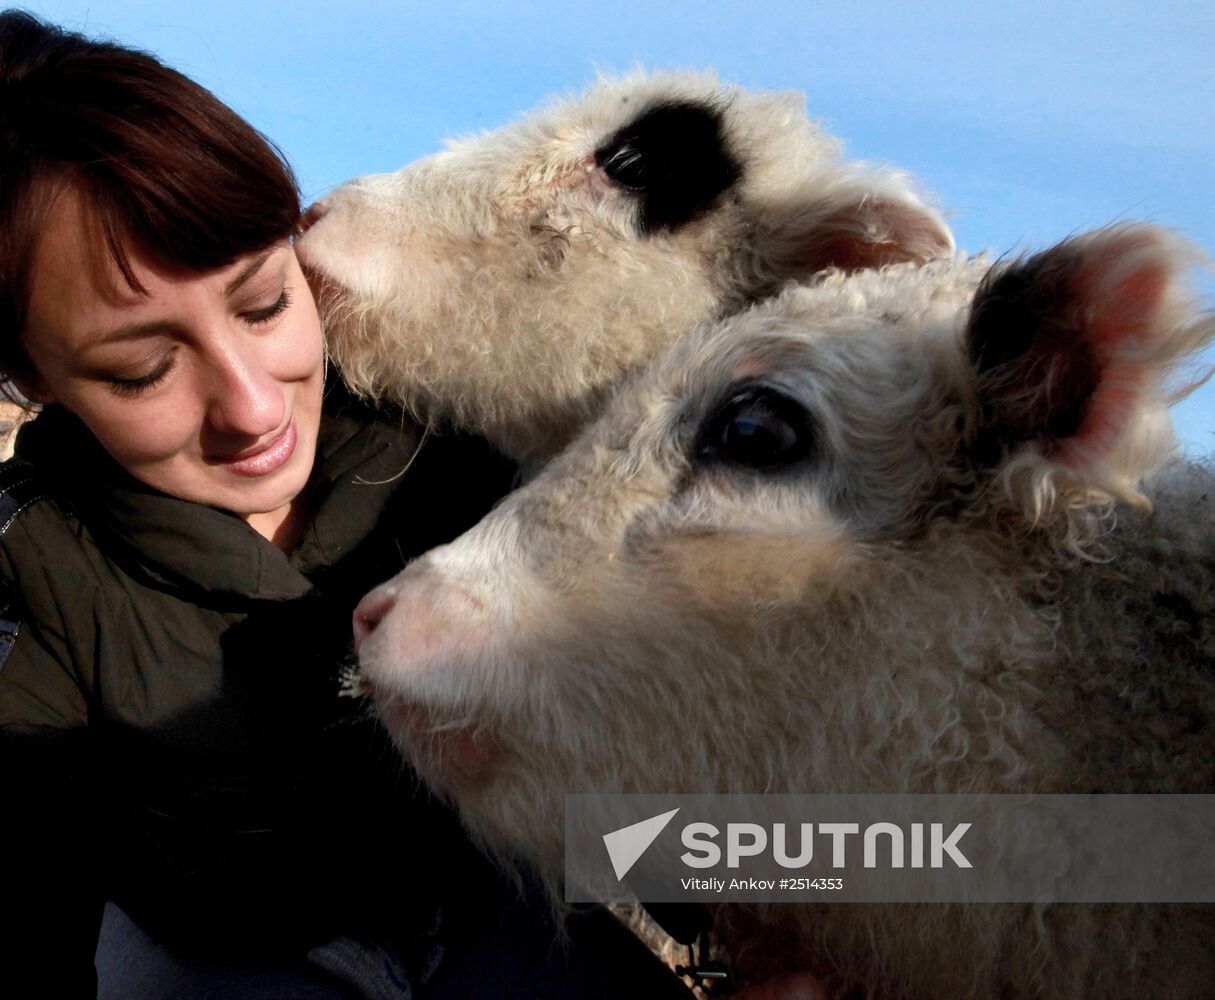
x: 186, y: 527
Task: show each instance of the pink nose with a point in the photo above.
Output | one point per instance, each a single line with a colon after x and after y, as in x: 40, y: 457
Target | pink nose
x: 371, y: 610
x: 311, y: 217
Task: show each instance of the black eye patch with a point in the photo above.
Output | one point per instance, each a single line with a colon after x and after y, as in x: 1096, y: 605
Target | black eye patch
x: 673, y: 157
x: 757, y: 427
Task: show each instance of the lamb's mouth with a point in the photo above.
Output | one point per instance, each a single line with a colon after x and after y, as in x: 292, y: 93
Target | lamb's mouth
x: 445, y: 745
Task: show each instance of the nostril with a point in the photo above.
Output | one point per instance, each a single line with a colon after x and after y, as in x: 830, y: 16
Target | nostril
x: 311, y: 217
x: 371, y: 610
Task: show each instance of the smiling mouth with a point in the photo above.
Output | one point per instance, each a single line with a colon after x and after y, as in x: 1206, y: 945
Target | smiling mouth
x: 268, y: 457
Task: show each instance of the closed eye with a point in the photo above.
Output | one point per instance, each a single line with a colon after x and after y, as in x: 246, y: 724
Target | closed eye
x: 256, y: 317
x: 134, y: 386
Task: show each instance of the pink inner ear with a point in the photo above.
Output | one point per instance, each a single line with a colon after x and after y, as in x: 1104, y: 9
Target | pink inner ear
x: 872, y: 234
x: 1111, y: 408
x: 1121, y: 319
x: 1122, y: 306
x: 1071, y: 345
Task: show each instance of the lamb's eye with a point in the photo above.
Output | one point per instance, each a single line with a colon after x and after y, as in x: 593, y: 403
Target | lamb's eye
x: 626, y: 165
x: 672, y: 160
x: 759, y: 428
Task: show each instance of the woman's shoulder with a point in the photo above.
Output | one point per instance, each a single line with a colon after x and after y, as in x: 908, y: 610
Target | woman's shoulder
x: 49, y: 562
x: 20, y: 487
x: 35, y: 520
x: 42, y: 562
x: 32, y: 490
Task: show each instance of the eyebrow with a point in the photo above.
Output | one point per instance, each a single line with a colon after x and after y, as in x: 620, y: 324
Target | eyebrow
x: 249, y: 271
x: 132, y: 332
x: 137, y: 330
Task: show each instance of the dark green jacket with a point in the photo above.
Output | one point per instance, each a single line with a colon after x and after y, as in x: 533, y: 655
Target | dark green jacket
x: 170, y: 732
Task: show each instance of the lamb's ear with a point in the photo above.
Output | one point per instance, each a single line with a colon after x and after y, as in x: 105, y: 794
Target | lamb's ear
x: 1071, y: 348
x: 852, y: 221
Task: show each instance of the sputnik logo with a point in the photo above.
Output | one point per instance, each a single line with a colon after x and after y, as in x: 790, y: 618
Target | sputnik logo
x: 626, y: 845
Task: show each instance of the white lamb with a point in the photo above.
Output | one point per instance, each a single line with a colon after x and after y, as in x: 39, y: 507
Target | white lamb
x: 893, y: 528
x: 507, y: 283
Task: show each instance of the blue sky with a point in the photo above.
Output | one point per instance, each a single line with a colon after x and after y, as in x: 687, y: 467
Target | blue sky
x: 1030, y: 120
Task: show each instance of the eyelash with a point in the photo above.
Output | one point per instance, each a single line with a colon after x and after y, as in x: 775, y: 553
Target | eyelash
x: 134, y: 386
x: 259, y: 316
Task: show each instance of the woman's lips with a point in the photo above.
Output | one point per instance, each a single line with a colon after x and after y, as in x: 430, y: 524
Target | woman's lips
x: 264, y: 461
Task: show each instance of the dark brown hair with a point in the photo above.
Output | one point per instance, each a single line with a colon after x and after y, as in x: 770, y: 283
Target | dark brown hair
x: 166, y: 165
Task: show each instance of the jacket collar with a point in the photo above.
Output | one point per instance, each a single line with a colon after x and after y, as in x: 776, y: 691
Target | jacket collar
x: 184, y: 546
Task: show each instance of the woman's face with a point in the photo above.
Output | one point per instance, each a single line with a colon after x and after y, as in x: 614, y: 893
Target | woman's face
x: 207, y: 388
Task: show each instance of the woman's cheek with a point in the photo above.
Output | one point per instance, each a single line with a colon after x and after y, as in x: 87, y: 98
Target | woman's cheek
x: 139, y: 434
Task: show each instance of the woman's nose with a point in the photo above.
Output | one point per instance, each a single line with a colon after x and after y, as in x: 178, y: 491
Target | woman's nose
x: 246, y: 400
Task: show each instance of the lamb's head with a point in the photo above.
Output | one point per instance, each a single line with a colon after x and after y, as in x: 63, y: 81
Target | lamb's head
x: 800, y: 552
x: 510, y: 281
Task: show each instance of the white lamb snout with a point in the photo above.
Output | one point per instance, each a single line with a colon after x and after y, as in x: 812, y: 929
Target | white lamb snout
x: 437, y: 657
x: 371, y: 611
x: 314, y: 213
x: 416, y: 623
